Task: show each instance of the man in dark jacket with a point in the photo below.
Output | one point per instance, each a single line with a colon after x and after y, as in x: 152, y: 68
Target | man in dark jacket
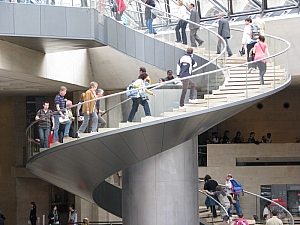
x: 224, y: 32
x: 184, y: 69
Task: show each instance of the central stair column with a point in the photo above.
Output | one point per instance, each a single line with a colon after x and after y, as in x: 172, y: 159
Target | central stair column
x: 163, y: 189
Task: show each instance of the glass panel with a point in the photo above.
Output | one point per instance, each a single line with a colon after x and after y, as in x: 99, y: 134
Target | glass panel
x: 219, y: 80
x: 166, y: 103
x: 208, y: 9
x: 243, y: 6
x: 277, y: 3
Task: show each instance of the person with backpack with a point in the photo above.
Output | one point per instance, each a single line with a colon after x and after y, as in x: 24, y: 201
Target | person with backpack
x: 241, y: 220
x: 249, y: 39
x: 234, y: 189
x: 140, y: 97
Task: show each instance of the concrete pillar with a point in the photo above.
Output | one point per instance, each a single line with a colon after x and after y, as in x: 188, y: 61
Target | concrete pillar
x: 163, y: 189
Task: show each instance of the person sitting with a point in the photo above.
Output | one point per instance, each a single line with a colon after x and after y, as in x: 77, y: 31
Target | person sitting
x: 264, y: 139
x: 269, y: 139
x: 215, y: 138
x: 226, y: 139
x: 238, y: 138
x: 251, y: 139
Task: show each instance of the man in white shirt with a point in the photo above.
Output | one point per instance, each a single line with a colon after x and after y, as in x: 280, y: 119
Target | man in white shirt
x: 249, y: 43
x: 237, y: 206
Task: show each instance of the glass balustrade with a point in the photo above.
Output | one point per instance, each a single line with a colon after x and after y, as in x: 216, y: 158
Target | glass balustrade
x: 219, y: 81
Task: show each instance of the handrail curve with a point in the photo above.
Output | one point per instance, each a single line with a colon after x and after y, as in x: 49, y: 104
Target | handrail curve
x: 217, y: 202
x: 153, y: 86
x: 264, y: 198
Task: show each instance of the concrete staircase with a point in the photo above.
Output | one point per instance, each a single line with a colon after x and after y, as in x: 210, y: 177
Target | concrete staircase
x: 236, y: 86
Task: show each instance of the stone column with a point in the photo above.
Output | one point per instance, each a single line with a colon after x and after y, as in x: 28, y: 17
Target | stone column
x: 163, y: 189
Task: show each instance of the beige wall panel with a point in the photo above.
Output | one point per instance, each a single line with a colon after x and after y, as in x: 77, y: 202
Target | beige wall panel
x: 251, y: 177
x: 273, y: 118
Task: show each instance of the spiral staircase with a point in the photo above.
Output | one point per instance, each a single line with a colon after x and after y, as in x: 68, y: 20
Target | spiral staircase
x: 224, y: 88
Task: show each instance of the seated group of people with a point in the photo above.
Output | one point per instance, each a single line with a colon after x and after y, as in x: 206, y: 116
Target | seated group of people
x: 238, y: 138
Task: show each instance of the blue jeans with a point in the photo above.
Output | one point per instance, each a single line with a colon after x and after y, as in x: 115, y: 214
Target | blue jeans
x: 236, y: 205
x: 150, y: 27
x: 67, y: 128
x: 181, y: 25
x: 85, y: 122
x: 44, y: 133
x: 135, y: 105
x: 56, y: 127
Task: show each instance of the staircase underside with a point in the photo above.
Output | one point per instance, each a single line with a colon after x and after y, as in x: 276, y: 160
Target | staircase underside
x: 80, y: 166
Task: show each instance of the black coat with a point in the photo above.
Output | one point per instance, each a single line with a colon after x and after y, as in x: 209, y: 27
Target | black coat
x: 51, y: 215
x: 210, y: 185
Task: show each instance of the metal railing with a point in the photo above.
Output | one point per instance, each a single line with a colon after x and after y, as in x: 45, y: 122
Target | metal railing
x: 254, y: 205
x: 212, y: 78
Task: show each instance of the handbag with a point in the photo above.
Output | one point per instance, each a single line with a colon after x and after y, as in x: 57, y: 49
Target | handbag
x: 50, y: 138
x: 154, y: 13
x: 144, y: 96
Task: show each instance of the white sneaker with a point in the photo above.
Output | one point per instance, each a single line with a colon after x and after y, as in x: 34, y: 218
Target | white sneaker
x: 181, y: 107
x: 250, y: 69
x: 193, y: 101
x: 78, y: 134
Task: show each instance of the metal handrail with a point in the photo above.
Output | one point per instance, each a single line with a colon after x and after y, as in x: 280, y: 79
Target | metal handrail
x: 217, y: 202
x: 193, y: 76
x: 264, y: 198
x: 154, y: 85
